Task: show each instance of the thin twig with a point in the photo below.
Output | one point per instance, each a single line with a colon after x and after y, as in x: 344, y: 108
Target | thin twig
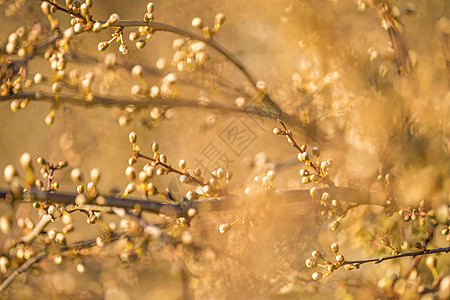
x: 136, y: 104
x: 405, y: 254
x: 45, y: 219
x: 169, y: 167
x: 291, y: 140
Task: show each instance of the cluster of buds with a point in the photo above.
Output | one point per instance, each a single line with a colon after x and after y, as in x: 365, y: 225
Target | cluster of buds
x: 23, y: 40
x: 168, y: 87
x: 266, y: 182
x: 318, y: 260
x: 83, y: 19
x: 319, y: 170
x: 57, y: 55
x: 85, y: 190
x: 158, y: 165
x: 75, y: 7
x: 207, y: 32
x: 47, y: 172
x: 116, y: 36
x: 330, y: 207
x: 85, y: 83
x: 217, y: 184
x: 22, y: 253
x: 48, y: 10
x: 308, y: 79
x: 13, y: 84
x: 144, y: 33
x: 419, y: 213
x: 189, y: 54
x: 55, y: 236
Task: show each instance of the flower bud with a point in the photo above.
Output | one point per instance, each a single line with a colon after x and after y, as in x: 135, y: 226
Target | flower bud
x: 163, y: 158
x: 132, y: 160
x: 219, y: 19
x: 340, y: 258
x: 155, y: 146
x: 132, y: 137
x: 140, y: 44
x: 431, y: 262
x: 130, y: 172
x: 325, y: 197
x: 385, y: 241
x: 313, y: 192
x: 38, y: 78
x: 316, y: 254
x: 197, y: 22
x: 57, y: 87
x: 123, y: 49
x: 81, y: 268
x: 150, y: 7
x: 137, y: 71
x: 95, y: 175
x: 310, y: 263
x: 278, y: 131
x: 223, y: 228
x: 316, y: 151
x: 113, y: 19
x: 76, y: 175
x: 97, y: 27
x: 25, y: 160
x: 317, y: 276
x: 45, y: 7
x: 102, y: 46
x: 271, y: 175
x: 131, y: 187
x: 182, y: 164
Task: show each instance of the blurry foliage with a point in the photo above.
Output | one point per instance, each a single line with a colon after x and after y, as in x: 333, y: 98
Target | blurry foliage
x: 367, y: 81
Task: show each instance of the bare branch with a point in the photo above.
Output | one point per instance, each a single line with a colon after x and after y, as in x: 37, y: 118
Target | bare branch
x: 226, y: 202
x: 28, y: 264
x: 45, y: 219
x: 126, y: 102
x: 405, y: 254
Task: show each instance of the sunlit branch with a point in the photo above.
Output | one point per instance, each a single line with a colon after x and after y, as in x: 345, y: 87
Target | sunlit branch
x: 23, y: 268
x: 405, y: 254
x: 226, y: 202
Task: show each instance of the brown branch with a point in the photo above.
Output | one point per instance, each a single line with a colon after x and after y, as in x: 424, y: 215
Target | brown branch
x: 126, y: 102
x: 406, y: 254
x: 45, y: 219
x: 28, y: 264
x: 226, y: 202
